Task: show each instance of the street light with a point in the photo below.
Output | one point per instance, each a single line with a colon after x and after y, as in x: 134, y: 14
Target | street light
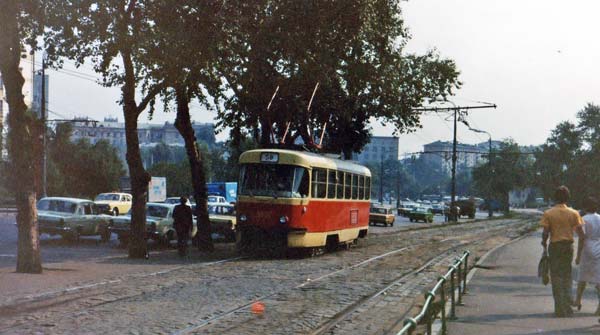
x: 489, y: 200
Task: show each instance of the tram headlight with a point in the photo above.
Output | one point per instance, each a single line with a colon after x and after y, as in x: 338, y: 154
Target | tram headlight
x: 283, y: 219
x: 243, y: 218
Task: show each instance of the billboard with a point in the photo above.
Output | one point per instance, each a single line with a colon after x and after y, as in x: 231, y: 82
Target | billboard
x: 157, y: 189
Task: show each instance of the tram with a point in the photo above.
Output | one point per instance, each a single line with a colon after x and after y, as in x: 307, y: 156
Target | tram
x: 296, y: 200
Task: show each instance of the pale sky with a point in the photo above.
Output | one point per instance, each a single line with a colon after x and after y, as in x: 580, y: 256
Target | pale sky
x: 538, y: 60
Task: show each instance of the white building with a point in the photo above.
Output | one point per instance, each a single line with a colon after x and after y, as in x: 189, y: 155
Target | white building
x: 380, y: 148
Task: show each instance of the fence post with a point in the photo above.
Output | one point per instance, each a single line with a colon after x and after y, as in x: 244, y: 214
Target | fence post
x: 459, y: 283
x: 452, y: 294
x: 443, y: 311
x: 465, y: 272
x: 429, y: 315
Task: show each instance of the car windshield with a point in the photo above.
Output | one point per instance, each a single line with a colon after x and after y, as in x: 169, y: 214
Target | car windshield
x: 213, y: 199
x: 157, y: 211
x: 57, y: 206
x: 378, y: 210
x: 172, y: 201
x: 276, y: 180
x: 107, y: 197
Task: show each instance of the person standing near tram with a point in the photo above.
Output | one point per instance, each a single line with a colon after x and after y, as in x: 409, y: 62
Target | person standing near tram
x: 559, y: 223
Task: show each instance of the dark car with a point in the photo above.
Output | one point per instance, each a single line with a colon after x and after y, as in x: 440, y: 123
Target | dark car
x: 467, y: 208
x: 421, y: 214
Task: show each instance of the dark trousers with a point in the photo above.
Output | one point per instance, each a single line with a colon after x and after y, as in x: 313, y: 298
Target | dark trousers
x: 561, y: 256
x: 182, y: 242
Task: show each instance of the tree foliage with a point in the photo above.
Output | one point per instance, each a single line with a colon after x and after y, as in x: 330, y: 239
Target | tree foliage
x: 570, y: 157
x: 510, y: 169
x: 81, y: 169
x: 353, y: 49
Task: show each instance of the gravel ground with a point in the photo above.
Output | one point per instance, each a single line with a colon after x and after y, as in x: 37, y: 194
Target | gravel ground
x: 299, y: 294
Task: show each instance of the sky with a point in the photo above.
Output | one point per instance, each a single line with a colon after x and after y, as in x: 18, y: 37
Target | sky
x: 537, y: 60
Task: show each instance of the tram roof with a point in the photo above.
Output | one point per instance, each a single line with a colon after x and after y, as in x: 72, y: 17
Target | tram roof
x: 304, y: 158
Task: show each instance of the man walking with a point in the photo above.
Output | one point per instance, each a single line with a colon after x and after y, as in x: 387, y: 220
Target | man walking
x: 559, y: 222
x: 183, y: 222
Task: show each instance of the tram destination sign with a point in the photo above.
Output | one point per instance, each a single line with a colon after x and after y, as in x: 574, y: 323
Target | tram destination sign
x: 269, y: 157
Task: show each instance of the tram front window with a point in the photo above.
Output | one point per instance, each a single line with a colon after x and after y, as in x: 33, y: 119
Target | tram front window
x: 285, y: 181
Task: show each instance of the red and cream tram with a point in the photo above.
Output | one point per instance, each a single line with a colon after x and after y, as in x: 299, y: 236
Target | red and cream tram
x: 297, y: 199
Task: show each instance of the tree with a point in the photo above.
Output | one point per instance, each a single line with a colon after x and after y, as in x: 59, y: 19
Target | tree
x: 69, y: 165
x: 185, y: 63
x: 510, y: 170
x: 19, y: 26
x: 112, y: 34
x: 353, y: 49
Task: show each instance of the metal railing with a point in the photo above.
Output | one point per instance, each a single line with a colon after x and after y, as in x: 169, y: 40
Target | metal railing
x: 457, y: 278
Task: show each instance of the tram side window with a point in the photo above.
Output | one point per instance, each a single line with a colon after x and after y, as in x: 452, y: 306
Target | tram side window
x: 347, y: 185
x: 319, y: 184
x: 367, y: 188
x: 340, y: 184
x: 332, y: 184
x: 354, y: 186
x: 361, y: 188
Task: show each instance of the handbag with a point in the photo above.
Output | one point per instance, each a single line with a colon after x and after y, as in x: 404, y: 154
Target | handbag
x: 544, y: 268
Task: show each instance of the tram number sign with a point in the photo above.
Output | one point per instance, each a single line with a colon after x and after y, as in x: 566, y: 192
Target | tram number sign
x: 269, y: 157
x: 354, y: 216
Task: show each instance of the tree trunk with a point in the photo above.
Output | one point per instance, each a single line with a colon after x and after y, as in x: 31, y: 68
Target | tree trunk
x: 183, y: 124
x: 22, y: 141
x: 138, y: 175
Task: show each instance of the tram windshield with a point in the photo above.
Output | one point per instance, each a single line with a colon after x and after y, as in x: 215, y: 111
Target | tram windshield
x: 285, y: 181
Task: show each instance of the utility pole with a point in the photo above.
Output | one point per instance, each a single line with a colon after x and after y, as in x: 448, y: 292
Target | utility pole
x: 453, y: 214
x: 381, y: 180
x: 490, y: 164
x: 398, y: 184
x: 44, y: 130
x: 456, y: 110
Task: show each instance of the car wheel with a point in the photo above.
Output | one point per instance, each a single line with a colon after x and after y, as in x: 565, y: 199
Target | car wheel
x: 105, y: 235
x: 411, y: 220
x: 115, y: 211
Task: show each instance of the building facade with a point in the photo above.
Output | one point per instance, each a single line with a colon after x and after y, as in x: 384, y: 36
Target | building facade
x: 113, y: 131
x: 439, y: 153
x: 380, y: 148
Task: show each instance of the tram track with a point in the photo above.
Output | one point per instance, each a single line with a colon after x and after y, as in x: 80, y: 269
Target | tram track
x: 278, y: 277
x: 340, y: 316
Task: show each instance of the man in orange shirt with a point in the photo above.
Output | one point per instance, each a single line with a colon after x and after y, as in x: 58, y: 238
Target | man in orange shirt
x: 559, y: 222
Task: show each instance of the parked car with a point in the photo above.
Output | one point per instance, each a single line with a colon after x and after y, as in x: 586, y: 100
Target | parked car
x: 159, y: 224
x: 71, y: 218
x: 421, y: 214
x: 216, y: 200
x: 223, y: 220
x: 381, y: 215
x: 437, y: 209
x: 176, y: 201
x: 113, y: 203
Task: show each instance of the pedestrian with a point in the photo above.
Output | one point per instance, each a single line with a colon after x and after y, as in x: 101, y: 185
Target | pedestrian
x: 588, y: 253
x: 183, y: 222
x: 559, y: 222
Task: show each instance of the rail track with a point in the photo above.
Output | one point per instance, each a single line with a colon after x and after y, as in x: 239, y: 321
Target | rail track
x: 241, y: 311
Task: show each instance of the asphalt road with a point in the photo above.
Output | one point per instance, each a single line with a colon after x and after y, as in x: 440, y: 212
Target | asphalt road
x: 55, y: 249
x: 402, y: 222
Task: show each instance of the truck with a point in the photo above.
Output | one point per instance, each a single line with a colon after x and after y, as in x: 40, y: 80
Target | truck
x: 224, y: 189
x: 157, y: 188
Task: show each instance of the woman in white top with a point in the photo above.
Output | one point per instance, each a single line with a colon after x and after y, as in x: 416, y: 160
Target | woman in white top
x: 588, y: 253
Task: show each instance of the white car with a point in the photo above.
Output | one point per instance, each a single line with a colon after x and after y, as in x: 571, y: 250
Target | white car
x: 216, y: 200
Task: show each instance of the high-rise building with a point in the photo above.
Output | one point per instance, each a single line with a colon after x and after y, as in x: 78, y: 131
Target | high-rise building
x: 380, y: 148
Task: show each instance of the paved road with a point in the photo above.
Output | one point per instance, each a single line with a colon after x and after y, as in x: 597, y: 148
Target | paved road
x: 509, y: 299
x: 402, y: 223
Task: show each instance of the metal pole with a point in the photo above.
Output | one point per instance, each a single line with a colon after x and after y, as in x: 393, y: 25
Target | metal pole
x: 397, y: 184
x: 44, y: 130
x: 452, y: 294
x: 453, y: 214
x: 490, y: 210
x: 443, y: 311
x: 381, y: 180
x: 459, y: 278
x: 465, y: 273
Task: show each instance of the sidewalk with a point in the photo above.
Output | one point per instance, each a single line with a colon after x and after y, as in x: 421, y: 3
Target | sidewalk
x: 509, y: 298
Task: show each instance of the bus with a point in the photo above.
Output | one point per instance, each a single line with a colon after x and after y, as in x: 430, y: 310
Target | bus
x: 291, y: 199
